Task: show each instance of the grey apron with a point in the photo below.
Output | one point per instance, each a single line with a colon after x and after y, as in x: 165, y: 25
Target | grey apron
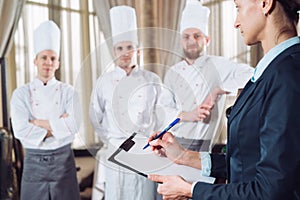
x: 49, y: 175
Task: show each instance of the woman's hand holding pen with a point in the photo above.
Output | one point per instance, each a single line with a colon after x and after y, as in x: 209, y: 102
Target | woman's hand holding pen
x: 167, y: 146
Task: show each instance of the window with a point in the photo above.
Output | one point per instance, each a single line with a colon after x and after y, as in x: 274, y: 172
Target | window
x: 225, y: 39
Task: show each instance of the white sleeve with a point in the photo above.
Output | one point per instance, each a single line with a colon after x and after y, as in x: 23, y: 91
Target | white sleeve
x: 158, y: 112
x: 206, y: 166
x: 233, y: 75
x: 167, y: 101
x: 241, y: 74
x: 64, y: 127
x: 20, y: 116
x: 206, y: 163
x: 96, y: 111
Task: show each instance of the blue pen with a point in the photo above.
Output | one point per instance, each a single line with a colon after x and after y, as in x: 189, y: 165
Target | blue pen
x: 164, y: 131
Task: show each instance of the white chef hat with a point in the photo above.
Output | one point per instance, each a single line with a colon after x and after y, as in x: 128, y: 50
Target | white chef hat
x: 123, y: 24
x: 46, y: 37
x: 195, y: 15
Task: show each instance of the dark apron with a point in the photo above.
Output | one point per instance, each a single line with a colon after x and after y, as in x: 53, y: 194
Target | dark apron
x: 49, y: 175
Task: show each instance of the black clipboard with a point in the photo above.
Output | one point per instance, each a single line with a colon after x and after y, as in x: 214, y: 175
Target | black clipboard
x: 125, y: 146
x: 131, y: 156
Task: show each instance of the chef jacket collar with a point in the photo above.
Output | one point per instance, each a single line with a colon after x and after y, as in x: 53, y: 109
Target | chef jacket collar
x: 123, y: 72
x: 199, y: 62
x: 39, y: 83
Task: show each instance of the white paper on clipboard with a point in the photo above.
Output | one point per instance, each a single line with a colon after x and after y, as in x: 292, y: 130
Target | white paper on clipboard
x: 132, y: 156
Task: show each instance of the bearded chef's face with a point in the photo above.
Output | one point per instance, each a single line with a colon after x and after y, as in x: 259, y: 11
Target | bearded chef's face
x: 194, y: 43
x: 47, y: 63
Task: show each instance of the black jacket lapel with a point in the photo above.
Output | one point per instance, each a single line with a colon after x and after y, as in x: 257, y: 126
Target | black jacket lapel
x: 246, y: 93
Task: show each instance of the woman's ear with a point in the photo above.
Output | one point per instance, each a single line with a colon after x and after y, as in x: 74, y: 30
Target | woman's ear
x: 267, y: 6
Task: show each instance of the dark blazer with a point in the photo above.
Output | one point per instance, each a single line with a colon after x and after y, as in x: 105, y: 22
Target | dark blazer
x: 263, y: 149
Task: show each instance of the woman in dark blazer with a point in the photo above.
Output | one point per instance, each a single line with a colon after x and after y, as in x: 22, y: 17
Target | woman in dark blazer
x: 262, y: 159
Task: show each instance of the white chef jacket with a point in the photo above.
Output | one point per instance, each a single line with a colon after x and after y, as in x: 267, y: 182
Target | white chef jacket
x: 188, y: 86
x: 121, y: 104
x: 45, y: 102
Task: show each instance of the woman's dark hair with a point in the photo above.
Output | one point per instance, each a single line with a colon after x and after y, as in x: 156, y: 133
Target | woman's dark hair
x: 291, y: 8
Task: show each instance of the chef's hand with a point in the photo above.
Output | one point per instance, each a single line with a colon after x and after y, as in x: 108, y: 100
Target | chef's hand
x: 213, y: 97
x: 49, y: 134
x: 199, y: 113
x: 45, y: 123
x: 65, y: 115
x: 42, y: 124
